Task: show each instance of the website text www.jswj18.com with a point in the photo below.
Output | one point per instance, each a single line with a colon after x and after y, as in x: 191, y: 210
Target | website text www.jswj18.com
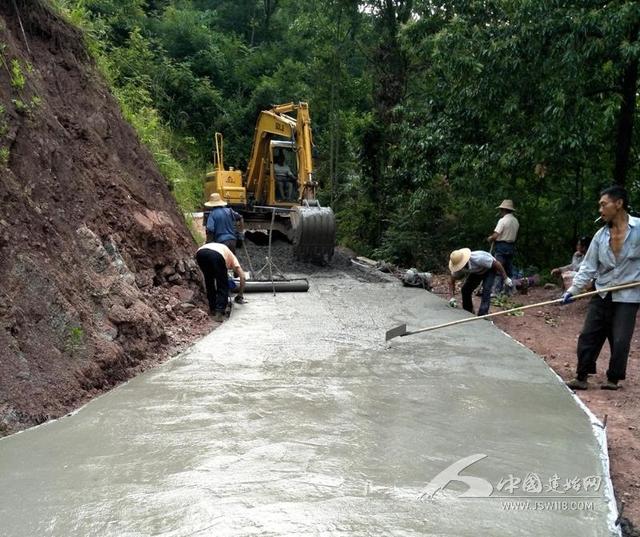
x: 551, y: 505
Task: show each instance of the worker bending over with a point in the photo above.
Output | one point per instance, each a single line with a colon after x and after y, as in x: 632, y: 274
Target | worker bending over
x: 478, y: 267
x: 214, y: 260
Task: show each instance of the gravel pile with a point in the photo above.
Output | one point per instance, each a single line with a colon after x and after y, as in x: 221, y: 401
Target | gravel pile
x: 253, y: 257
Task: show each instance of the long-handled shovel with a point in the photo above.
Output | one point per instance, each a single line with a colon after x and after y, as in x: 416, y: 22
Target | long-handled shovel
x: 401, y: 330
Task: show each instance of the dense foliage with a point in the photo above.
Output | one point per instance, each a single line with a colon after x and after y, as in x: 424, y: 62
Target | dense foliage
x: 426, y: 113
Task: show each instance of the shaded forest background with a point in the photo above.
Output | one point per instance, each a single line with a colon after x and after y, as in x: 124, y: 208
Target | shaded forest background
x: 426, y: 114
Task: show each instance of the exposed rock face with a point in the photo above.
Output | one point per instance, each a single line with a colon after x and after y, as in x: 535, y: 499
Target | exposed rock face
x: 97, y: 278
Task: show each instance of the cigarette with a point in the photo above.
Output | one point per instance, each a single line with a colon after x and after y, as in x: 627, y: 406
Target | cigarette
x: 597, y: 219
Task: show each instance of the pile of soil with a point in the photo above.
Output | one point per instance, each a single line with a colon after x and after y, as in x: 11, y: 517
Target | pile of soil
x: 96, y: 262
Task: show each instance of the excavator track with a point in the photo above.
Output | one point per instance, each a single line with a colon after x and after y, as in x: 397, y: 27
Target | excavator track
x: 313, y: 233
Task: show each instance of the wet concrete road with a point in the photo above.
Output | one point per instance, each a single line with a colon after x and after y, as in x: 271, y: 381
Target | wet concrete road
x: 295, y: 418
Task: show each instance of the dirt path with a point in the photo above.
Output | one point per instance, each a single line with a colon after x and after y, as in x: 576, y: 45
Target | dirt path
x: 552, y: 332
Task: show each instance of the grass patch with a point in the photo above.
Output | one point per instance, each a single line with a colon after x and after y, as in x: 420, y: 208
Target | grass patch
x: 506, y: 302
x: 74, y: 339
x: 18, y: 80
x: 4, y: 157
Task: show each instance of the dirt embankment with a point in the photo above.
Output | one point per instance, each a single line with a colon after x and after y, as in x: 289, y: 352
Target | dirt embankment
x: 96, y: 264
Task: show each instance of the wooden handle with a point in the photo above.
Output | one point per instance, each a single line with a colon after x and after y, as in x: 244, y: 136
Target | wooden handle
x: 521, y: 308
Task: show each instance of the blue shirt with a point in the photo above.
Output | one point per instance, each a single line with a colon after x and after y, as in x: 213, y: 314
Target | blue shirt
x: 600, y: 263
x: 222, y: 223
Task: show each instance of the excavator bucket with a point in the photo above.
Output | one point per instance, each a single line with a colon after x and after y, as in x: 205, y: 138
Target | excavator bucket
x: 313, y: 232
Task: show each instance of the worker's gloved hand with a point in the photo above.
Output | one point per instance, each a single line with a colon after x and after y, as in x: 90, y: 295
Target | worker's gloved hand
x: 239, y: 299
x: 453, y: 303
x: 508, y: 282
x: 567, y: 298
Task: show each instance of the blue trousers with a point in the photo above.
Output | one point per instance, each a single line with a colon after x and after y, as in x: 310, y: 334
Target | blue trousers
x: 504, y: 252
x: 469, y: 286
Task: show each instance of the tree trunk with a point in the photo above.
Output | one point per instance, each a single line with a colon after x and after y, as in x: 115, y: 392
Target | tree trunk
x: 390, y: 68
x: 625, y: 119
x: 269, y: 9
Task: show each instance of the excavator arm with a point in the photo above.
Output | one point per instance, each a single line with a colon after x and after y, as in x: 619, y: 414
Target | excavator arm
x: 309, y: 226
x: 276, y: 124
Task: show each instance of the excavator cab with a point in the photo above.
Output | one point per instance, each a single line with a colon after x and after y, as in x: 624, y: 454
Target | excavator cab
x: 284, y: 172
x: 278, y: 190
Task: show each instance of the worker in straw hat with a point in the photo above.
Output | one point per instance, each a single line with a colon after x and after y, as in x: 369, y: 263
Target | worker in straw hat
x: 221, y: 221
x: 478, y: 267
x: 504, y: 238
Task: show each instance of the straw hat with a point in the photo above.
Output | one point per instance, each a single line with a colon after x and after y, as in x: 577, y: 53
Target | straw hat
x: 215, y: 201
x: 458, y: 259
x: 507, y: 205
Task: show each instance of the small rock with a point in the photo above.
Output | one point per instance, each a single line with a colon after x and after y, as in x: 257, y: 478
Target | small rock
x: 167, y: 271
x: 185, y: 307
x: 144, y: 278
x: 174, y: 278
x: 197, y: 314
x: 109, y: 332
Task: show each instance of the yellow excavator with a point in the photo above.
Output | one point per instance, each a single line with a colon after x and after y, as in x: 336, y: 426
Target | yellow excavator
x: 278, y: 191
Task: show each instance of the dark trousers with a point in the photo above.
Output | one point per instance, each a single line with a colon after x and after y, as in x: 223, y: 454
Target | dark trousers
x: 504, y: 252
x: 606, y: 320
x: 285, y: 188
x: 216, y: 282
x: 470, y: 284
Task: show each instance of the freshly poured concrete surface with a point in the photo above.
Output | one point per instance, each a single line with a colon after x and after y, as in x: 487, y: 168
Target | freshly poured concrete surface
x: 296, y: 418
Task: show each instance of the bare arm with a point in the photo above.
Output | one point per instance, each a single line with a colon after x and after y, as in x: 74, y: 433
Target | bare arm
x: 452, y: 287
x: 240, y: 273
x: 492, y: 237
x: 560, y: 270
x: 499, y: 268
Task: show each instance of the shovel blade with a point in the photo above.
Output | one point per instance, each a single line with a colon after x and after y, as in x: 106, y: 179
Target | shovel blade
x: 395, y: 332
